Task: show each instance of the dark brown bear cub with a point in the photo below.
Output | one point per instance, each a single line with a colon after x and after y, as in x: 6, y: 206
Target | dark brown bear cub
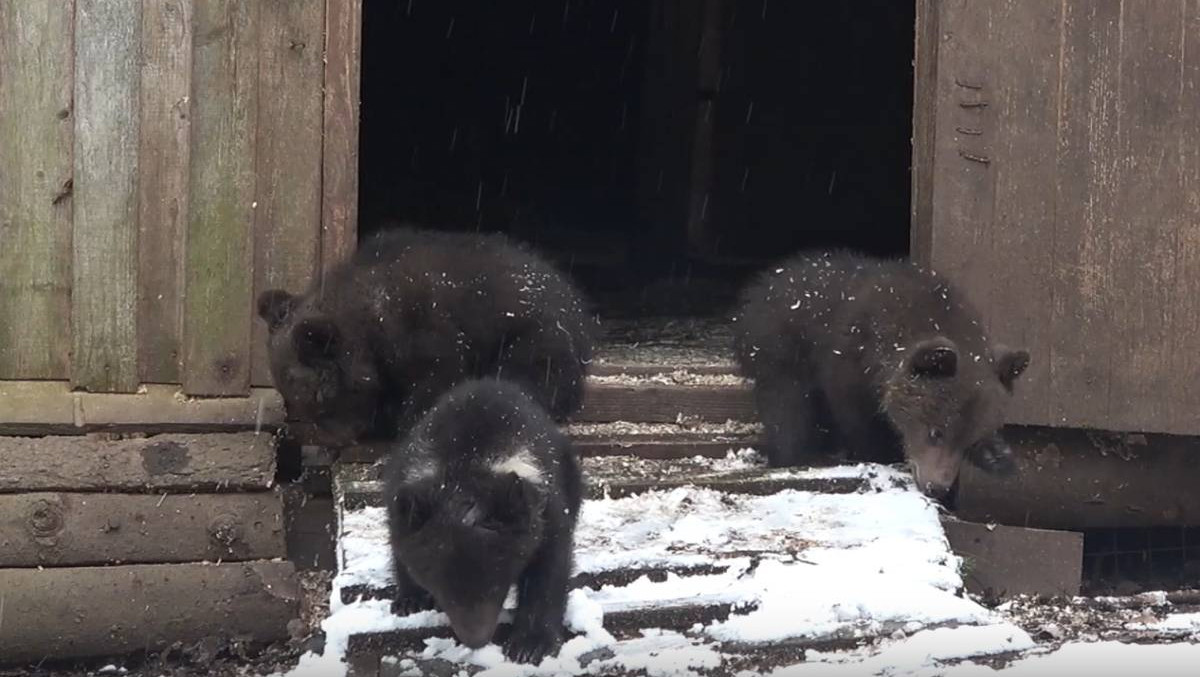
x: 482, y: 494
x: 415, y: 312
x: 880, y: 359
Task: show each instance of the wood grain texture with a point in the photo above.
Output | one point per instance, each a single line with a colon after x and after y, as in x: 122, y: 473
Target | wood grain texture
x: 36, y: 65
x: 104, y: 293
x: 1000, y: 123
x: 218, y: 274
x: 287, y: 220
x: 1081, y: 321
x: 1183, y: 388
x: 162, y: 463
x: 339, y: 182
x: 1064, y: 200
x: 925, y: 87
x: 120, y: 610
x: 57, y: 529
x: 163, y: 162
x: 1154, y: 220
x: 51, y: 407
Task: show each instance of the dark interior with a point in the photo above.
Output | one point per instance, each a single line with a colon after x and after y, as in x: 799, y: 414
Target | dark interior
x: 548, y: 120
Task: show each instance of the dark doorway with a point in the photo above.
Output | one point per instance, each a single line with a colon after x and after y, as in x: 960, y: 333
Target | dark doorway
x: 561, y: 121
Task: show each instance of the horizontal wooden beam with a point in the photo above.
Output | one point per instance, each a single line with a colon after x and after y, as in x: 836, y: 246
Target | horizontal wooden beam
x: 108, y: 611
x: 51, y: 407
x: 61, y: 529
x: 161, y: 463
x: 1077, y: 479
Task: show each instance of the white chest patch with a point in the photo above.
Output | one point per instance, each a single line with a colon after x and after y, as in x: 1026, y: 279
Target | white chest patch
x: 522, y: 464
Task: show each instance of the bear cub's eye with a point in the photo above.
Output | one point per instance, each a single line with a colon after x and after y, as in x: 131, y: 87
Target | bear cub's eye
x: 936, y: 435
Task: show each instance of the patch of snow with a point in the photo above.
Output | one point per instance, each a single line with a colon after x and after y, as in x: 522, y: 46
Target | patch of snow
x: 679, y: 377
x: 1095, y: 659
x: 661, y: 654
x: 1173, y: 623
x: 922, y: 653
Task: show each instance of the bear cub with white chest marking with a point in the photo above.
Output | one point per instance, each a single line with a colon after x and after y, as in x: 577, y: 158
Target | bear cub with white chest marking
x: 880, y: 359
x: 365, y: 352
x: 483, y: 493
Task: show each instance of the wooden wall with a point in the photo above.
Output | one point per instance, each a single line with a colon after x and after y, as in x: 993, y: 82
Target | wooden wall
x: 1057, y: 175
x: 164, y: 161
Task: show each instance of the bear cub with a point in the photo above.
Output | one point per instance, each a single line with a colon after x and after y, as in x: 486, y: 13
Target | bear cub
x: 483, y: 493
x: 415, y: 312
x: 879, y: 359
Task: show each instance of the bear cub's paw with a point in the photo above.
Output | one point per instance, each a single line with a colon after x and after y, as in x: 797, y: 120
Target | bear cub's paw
x: 532, y: 644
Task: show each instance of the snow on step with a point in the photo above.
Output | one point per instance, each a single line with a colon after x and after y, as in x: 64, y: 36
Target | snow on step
x: 793, y: 565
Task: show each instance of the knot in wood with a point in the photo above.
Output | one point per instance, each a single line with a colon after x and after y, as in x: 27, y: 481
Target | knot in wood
x: 225, y: 530
x: 45, y: 519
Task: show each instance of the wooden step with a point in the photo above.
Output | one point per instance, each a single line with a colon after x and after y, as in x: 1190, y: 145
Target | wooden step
x: 359, y: 484
x: 684, y: 551
x: 677, y: 440
x: 650, y: 347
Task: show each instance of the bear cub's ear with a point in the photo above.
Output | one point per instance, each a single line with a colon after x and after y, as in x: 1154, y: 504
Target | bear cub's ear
x: 937, y: 358
x: 316, y: 340
x: 1010, y: 364
x: 274, y: 306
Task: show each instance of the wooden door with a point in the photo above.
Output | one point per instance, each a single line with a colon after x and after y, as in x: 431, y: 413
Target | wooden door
x: 1057, y: 176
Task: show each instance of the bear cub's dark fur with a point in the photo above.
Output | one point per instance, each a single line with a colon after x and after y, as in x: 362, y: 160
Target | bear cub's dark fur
x: 415, y: 312
x: 879, y: 359
x: 483, y: 493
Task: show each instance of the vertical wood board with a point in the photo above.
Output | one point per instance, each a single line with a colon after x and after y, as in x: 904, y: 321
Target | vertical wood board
x: 219, y: 258
x: 287, y: 220
x: 339, y: 176
x: 36, y: 62
x: 104, y: 293
x: 163, y: 163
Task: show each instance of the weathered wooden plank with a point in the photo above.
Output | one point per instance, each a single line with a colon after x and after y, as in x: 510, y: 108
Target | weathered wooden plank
x: 1073, y: 479
x: 163, y: 162
x: 59, y: 529
x: 1024, y: 116
x: 339, y: 184
x: 1183, y: 389
x: 104, y: 292
x: 964, y: 188
x: 103, y: 611
x: 218, y: 270
x: 1082, y: 325
x: 49, y: 407
x: 287, y: 221
x: 925, y: 87
x: 1004, y: 561
x: 162, y: 463
x: 36, y: 61
x: 1153, y: 221
x: 653, y: 403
